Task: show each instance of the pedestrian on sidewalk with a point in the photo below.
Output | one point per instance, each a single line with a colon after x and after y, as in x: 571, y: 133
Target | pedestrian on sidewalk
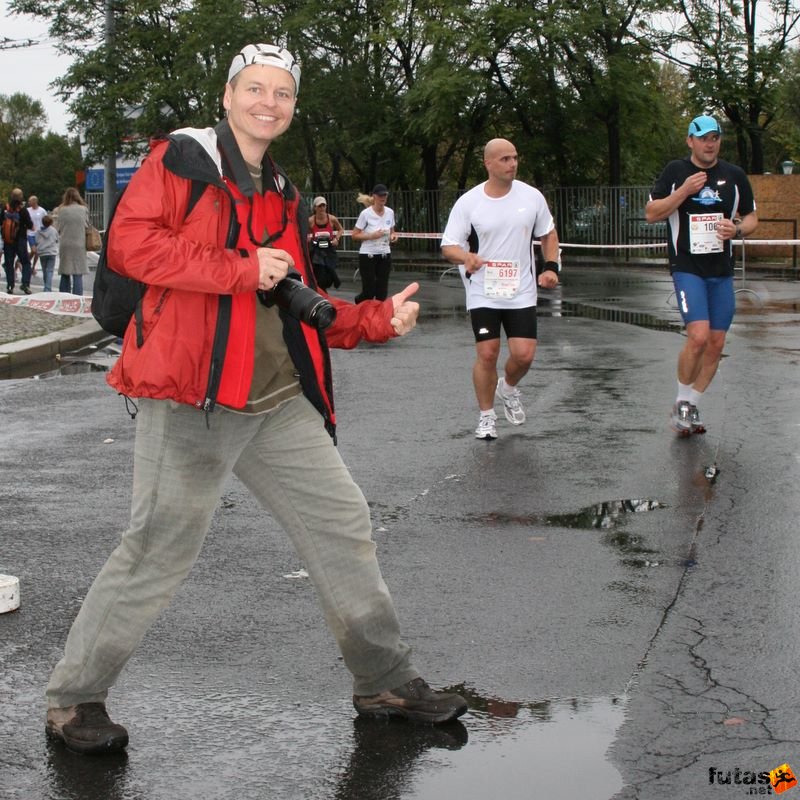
x: 230, y: 385
x: 15, y: 222
x: 374, y: 228
x: 72, y: 221
x: 37, y: 214
x: 47, y: 250
x: 707, y: 203
x: 490, y: 235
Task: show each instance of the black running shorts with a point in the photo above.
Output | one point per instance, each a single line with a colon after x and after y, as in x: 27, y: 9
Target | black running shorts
x: 516, y: 322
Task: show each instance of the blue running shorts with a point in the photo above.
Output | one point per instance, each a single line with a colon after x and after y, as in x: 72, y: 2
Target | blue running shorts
x: 711, y: 299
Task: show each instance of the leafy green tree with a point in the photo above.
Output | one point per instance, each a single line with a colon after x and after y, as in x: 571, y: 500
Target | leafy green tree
x: 51, y: 164
x: 40, y: 163
x: 784, y: 142
x: 406, y: 92
x: 591, y: 77
x: 735, y: 55
x: 20, y: 116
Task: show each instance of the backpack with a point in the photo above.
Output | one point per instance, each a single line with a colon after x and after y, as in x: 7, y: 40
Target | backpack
x: 10, y: 226
x: 115, y: 298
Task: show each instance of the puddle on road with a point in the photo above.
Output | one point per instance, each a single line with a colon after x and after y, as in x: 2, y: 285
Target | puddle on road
x: 509, y: 749
x: 601, y: 515
x: 607, y: 516
x: 516, y: 751
x: 512, y: 750
x: 638, y: 318
x: 90, y: 359
x: 500, y: 748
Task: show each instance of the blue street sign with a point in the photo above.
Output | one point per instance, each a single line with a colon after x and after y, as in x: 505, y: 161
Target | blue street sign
x: 96, y: 177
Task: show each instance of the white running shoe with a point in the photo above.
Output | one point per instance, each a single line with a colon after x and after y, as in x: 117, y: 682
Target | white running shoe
x: 681, y: 418
x: 486, y: 427
x: 510, y: 397
x: 697, y: 423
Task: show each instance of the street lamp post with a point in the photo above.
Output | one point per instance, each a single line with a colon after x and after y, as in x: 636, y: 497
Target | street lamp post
x: 110, y: 171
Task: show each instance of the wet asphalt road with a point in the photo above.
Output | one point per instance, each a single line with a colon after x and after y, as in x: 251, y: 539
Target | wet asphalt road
x: 622, y: 626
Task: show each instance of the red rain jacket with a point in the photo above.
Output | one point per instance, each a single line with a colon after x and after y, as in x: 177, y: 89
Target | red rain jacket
x: 202, y: 272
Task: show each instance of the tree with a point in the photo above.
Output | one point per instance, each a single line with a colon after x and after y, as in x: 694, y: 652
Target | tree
x: 406, y: 92
x: 50, y: 164
x: 786, y: 127
x: 20, y: 116
x: 735, y: 55
x: 39, y: 163
x: 574, y: 72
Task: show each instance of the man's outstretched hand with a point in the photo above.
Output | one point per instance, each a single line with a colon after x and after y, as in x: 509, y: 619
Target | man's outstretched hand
x: 405, y: 311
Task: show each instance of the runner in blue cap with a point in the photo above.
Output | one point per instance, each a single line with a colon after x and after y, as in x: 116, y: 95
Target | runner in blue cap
x: 707, y: 202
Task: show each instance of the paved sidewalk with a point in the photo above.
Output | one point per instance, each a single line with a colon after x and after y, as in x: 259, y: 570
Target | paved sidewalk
x: 24, y: 323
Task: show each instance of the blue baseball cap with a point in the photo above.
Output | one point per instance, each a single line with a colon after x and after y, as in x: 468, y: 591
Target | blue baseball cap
x: 704, y: 124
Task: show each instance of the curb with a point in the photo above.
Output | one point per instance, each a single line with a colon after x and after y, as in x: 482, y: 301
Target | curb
x: 45, y: 348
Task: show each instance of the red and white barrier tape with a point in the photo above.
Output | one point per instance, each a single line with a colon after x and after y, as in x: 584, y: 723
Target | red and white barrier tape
x: 627, y: 246
x: 52, y: 302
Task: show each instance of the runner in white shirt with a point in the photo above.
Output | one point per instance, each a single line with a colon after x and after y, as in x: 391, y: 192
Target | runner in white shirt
x: 490, y: 234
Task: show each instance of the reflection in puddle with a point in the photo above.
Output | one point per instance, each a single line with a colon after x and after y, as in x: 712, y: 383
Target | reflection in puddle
x: 640, y: 318
x: 607, y: 516
x: 518, y: 751
x: 72, y: 367
x: 71, y: 775
x: 508, y: 749
x: 601, y: 515
x: 93, y: 358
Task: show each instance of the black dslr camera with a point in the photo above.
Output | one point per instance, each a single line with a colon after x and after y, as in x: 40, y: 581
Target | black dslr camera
x: 300, y: 301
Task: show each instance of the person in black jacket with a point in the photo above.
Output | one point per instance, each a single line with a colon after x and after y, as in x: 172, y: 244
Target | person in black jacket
x: 15, y: 224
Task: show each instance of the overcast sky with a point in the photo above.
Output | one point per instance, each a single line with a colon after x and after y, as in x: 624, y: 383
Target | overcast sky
x: 31, y: 69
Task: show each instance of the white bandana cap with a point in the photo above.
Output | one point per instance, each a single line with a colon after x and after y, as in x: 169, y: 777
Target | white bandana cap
x: 269, y: 55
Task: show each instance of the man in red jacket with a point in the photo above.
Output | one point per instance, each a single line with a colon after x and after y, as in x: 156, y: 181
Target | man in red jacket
x: 228, y: 384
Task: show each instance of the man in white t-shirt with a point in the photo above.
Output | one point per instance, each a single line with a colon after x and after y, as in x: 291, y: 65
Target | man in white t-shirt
x: 37, y: 215
x: 490, y: 235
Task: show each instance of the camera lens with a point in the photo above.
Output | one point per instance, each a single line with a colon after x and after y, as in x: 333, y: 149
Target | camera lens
x: 300, y: 301
x: 322, y: 315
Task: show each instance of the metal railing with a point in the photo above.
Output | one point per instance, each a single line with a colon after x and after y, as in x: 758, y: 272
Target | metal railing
x: 599, y: 215
x: 605, y: 221
x: 583, y: 214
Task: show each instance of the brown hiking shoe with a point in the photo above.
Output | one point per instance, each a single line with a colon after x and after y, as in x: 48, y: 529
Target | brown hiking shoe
x: 86, y: 728
x: 415, y: 701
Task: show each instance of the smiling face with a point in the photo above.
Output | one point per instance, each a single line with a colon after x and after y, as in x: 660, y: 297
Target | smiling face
x: 260, y: 103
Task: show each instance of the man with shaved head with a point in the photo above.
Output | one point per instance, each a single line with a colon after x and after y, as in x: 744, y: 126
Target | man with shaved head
x: 490, y: 234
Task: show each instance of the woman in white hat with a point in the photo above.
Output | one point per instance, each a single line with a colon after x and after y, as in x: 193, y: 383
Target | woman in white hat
x: 324, y: 234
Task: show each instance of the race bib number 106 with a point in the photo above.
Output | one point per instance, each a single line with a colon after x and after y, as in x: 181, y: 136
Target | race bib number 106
x: 703, y: 236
